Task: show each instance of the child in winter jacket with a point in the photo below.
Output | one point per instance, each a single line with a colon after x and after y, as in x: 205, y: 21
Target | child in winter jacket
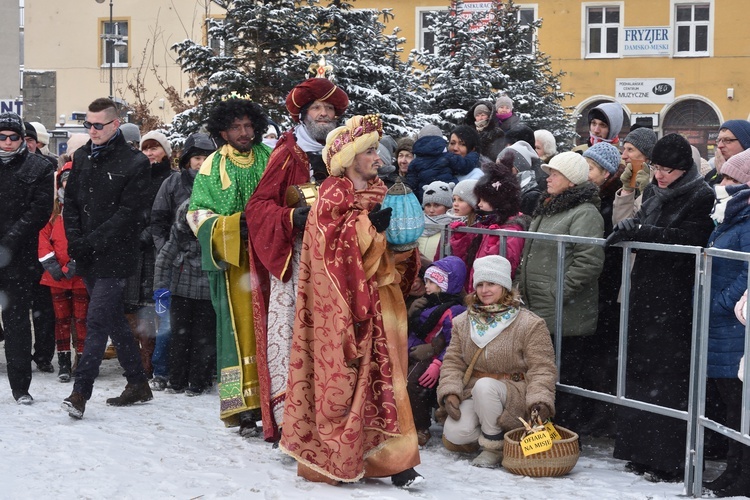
x: 498, y: 197
x: 436, y: 201
x: 430, y: 325
x: 181, y: 286
x: 69, y: 297
x: 433, y: 163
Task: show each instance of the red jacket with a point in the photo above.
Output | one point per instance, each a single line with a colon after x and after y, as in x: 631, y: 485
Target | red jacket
x: 52, y: 242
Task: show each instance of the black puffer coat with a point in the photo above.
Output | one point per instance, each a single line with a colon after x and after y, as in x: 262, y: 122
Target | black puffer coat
x: 104, y: 199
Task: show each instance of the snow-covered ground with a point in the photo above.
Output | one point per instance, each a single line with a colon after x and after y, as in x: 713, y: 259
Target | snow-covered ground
x: 176, y: 447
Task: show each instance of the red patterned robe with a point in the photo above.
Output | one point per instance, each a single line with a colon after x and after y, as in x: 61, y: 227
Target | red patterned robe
x: 347, y: 413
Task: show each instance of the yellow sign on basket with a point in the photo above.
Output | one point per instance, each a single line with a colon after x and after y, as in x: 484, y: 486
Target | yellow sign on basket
x: 552, y: 431
x: 536, y: 443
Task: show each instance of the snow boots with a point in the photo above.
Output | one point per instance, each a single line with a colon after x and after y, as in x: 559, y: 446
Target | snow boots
x: 63, y: 360
x: 133, y: 393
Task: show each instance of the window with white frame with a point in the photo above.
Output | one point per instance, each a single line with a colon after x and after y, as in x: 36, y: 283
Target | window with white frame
x: 216, y: 44
x: 693, y: 27
x: 426, y: 36
x: 114, y: 37
x: 603, y: 28
x: 526, y: 16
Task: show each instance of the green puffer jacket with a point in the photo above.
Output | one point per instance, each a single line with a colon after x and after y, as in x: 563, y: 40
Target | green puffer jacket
x: 574, y: 212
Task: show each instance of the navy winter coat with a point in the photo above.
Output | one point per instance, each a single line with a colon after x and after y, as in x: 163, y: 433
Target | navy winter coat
x: 432, y: 163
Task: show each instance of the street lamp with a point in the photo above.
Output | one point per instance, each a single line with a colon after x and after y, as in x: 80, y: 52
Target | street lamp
x: 116, y: 40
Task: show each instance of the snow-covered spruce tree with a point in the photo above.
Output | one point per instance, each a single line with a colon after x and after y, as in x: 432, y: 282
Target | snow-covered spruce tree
x: 483, y: 55
x: 456, y: 73
x: 257, y: 51
x: 366, y: 63
x: 529, y: 79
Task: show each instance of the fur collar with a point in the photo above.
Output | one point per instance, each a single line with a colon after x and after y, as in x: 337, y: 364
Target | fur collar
x: 570, y: 198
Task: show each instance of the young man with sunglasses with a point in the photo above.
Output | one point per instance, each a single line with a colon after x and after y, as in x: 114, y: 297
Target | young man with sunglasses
x: 26, y: 205
x: 105, y: 199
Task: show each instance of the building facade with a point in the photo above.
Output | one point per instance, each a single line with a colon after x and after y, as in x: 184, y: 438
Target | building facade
x: 11, y: 57
x: 678, y: 65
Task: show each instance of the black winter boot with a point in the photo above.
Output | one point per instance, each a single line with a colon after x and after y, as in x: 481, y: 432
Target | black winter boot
x: 63, y: 360
x: 728, y: 477
x: 133, y: 393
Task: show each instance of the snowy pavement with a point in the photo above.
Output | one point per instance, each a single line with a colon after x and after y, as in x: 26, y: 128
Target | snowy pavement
x: 176, y: 447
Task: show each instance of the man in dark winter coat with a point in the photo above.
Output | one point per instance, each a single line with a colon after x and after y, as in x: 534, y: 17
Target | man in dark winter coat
x: 26, y: 205
x: 105, y: 196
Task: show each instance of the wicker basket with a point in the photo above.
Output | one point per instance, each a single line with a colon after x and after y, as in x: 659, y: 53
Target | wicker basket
x: 557, y: 461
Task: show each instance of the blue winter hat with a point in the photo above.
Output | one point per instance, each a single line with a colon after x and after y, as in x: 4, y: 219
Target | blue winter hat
x: 605, y: 155
x: 454, y: 269
x: 740, y: 129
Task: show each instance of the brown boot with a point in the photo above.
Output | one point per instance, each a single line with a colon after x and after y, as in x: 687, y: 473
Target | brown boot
x: 75, y: 405
x: 110, y: 352
x: 133, y: 393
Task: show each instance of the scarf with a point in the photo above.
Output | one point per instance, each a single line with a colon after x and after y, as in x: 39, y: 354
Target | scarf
x: 504, y: 116
x: 487, y: 322
x: 96, y: 150
x: 305, y: 142
x: 443, y: 220
x: 527, y: 180
x: 8, y: 156
x: 440, y: 302
x: 614, y: 141
x: 481, y: 124
x: 730, y: 201
x: 242, y: 160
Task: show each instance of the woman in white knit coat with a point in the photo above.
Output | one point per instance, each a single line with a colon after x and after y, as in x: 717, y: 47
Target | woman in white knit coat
x: 500, y: 365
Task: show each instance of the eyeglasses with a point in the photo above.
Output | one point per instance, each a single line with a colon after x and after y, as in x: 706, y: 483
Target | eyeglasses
x: 658, y: 168
x: 97, y: 126
x: 725, y: 140
x: 12, y: 137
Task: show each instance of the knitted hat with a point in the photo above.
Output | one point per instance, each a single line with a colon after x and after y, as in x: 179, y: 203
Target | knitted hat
x: 160, y: 138
x: 493, y: 269
x: 642, y: 139
x: 30, y: 130
x: 740, y: 129
x: 738, y: 167
x: 468, y: 135
x: 500, y: 188
x: 429, y: 130
x: 504, y: 100
x: 571, y: 165
x: 75, y: 141
x: 42, y: 136
x: 12, y: 122
x: 438, y: 192
x: 316, y: 89
x: 197, y: 144
x: 358, y: 134
x: 465, y: 191
x: 673, y: 151
x: 605, y: 155
x: 523, y: 155
x: 481, y: 109
x: 131, y: 133
x: 404, y: 144
x: 437, y: 276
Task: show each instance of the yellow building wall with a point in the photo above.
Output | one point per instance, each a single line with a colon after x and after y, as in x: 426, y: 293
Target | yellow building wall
x: 64, y: 36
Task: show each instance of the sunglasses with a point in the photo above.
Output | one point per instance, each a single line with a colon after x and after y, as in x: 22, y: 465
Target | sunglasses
x: 12, y: 137
x: 97, y: 126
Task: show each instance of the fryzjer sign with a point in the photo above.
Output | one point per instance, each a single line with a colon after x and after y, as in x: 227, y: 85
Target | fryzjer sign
x: 644, y: 90
x: 647, y: 41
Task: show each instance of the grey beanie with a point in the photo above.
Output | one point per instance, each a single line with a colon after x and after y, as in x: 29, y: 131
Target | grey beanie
x: 504, y: 100
x: 481, y: 109
x: 438, y: 192
x: 493, y: 269
x: 643, y: 139
x: 429, y: 130
x: 465, y: 191
x: 131, y: 133
x: 605, y: 155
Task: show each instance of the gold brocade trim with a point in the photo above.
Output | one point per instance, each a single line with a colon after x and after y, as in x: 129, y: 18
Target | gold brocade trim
x: 252, y: 391
x: 249, y: 360
x: 241, y: 160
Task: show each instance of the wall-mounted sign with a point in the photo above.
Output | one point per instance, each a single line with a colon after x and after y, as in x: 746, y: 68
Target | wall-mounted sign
x: 647, y: 41
x: 11, y: 106
x: 644, y: 90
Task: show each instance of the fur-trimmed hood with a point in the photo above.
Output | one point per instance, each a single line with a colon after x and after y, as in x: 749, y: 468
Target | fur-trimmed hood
x: 570, y: 198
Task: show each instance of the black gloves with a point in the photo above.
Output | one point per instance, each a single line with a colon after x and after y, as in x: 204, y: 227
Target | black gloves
x: 299, y: 217
x: 380, y: 218
x: 243, y: 226
x: 71, y: 269
x: 53, y: 268
x: 80, y: 250
x: 624, y: 230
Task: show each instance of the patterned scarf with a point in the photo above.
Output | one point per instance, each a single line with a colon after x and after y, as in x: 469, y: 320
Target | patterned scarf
x: 730, y: 201
x: 487, y: 322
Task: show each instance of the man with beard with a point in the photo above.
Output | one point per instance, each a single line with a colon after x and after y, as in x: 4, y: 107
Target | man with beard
x: 276, y: 238
x: 26, y: 204
x: 216, y: 215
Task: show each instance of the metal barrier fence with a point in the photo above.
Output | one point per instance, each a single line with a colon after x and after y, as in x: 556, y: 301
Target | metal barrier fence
x: 694, y: 417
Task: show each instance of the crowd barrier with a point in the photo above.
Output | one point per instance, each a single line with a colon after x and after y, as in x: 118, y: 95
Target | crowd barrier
x: 695, y: 416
